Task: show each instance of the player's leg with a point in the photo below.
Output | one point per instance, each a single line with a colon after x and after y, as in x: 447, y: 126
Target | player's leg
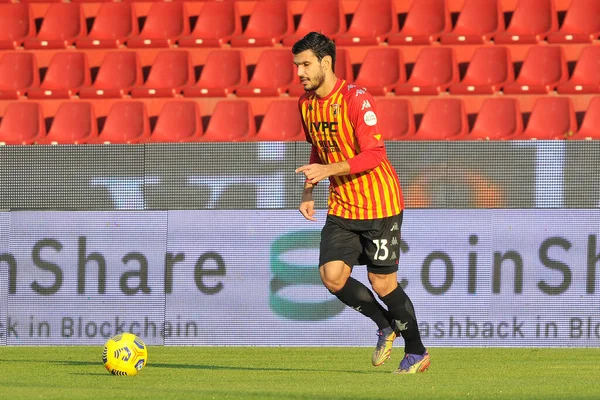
x: 336, y: 278
x: 387, y: 335
x: 338, y: 253
x: 401, y: 309
x: 416, y: 358
x: 382, y: 249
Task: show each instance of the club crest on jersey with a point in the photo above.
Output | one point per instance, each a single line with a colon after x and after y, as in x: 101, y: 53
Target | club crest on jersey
x: 335, y: 109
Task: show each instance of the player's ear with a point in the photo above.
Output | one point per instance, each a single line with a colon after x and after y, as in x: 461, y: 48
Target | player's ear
x: 327, y: 60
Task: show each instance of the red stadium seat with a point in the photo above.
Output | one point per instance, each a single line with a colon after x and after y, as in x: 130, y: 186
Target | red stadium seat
x: 68, y: 71
x: 281, y: 122
x: 551, y: 118
x: 114, y: 23
x: 126, y: 122
x: 581, y: 24
x: 230, y: 121
x: 425, y: 22
x: 22, y: 123
x: 586, y: 75
x: 223, y: 71
x: 590, y: 126
x: 269, y: 23
x: 478, y: 22
x: 62, y: 25
x: 435, y: 69
x: 166, y: 21
x: 498, y: 119
x: 217, y: 23
x: 372, y: 22
x: 490, y: 68
x: 326, y: 16
x: 273, y: 75
x: 17, y: 25
x: 119, y: 72
x: 395, y: 118
x: 343, y: 66
x: 74, y: 123
x: 531, y: 22
x: 18, y: 73
x: 382, y: 68
x: 171, y: 71
x: 343, y: 70
x: 544, y: 67
x: 178, y: 121
x: 443, y: 119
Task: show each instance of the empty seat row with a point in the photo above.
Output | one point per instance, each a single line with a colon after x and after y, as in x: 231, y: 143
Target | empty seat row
x: 271, y: 22
x: 225, y: 72
x: 127, y: 121
x: 499, y: 118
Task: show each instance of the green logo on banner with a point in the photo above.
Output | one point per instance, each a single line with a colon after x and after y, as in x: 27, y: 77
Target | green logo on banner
x: 286, y: 274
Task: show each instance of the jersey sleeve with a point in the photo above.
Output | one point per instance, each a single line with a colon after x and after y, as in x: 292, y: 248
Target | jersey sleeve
x: 363, y: 116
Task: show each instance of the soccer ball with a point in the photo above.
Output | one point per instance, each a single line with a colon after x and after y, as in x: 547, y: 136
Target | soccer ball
x: 124, y: 354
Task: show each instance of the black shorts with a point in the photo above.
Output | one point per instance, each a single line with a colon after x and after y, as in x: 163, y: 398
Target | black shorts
x: 374, y: 243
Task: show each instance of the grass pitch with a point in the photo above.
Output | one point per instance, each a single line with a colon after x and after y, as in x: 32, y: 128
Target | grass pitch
x: 300, y: 373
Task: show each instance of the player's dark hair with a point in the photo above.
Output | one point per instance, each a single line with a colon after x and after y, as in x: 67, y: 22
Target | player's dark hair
x: 320, y: 44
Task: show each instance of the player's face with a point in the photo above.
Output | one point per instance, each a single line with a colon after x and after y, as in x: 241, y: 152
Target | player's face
x: 310, y: 70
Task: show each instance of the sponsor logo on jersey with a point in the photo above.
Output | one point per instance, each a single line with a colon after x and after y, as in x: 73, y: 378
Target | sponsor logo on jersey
x: 329, y: 146
x: 370, y: 118
x: 324, y: 127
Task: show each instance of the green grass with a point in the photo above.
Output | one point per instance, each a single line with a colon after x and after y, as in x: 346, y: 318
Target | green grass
x: 300, y: 373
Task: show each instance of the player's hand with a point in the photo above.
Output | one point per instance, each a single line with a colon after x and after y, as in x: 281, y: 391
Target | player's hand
x: 307, y: 206
x: 314, y: 172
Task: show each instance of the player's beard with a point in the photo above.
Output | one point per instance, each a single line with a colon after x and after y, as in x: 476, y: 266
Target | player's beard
x: 316, y: 82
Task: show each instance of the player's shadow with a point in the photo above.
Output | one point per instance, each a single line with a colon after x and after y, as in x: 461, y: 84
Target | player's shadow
x: 199, y: 367
x: 232, y: 368
x: 59, y: 362
x: 76, y: 363
x: 91, y: 373
x: 67, y: 363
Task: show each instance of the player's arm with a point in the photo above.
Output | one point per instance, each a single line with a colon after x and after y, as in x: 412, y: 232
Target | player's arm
x: 307, y: 203
x: 371, y: 147
x: 316, y: 171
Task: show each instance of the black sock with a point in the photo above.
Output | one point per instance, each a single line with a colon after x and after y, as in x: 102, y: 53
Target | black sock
x: 402, y: 310
x: 356, y: 295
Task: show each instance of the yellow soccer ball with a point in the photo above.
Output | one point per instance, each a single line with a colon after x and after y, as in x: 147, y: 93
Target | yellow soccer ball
x: 125, y: 354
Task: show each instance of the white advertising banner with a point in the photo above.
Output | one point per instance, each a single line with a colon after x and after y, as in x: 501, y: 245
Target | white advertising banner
x: 505, y: 278
x: 80, y: 277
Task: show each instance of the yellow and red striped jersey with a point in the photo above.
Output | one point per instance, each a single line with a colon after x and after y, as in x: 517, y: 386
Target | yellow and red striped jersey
x: 340, y: 126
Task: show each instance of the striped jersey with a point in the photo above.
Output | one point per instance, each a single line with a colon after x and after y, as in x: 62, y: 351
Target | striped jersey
x: 340, y: 126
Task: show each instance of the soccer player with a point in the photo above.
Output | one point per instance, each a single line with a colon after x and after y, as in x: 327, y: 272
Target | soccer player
x: 365, y: 203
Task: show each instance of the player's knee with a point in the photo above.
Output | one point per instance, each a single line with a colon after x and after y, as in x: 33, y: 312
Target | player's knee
x: 333, y: 284
x: 333, y: 279
x: 382, y: 284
